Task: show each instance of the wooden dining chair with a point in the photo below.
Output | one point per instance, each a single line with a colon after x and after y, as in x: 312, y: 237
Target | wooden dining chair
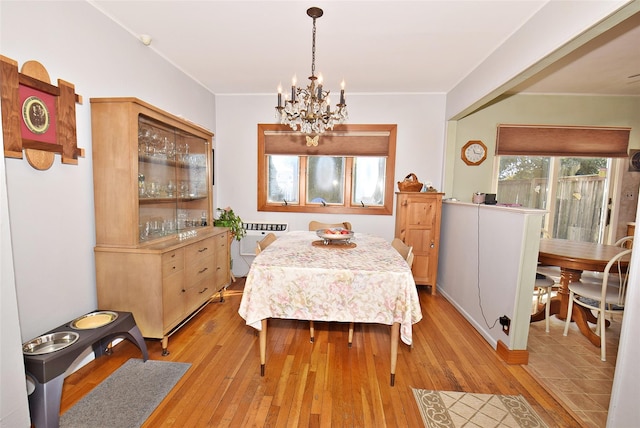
x: 315, y: 225
x: 406, y: 251
x: 602, y: 298
x: 265, y: 242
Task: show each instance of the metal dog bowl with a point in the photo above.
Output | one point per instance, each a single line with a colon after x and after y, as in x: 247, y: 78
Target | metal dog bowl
x: 50, y: 342
x: 93, y: 320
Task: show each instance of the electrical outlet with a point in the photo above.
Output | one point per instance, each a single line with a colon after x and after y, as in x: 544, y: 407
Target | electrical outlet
x: 505, y: 322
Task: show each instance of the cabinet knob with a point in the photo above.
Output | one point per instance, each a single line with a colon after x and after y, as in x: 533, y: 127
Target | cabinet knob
x: 405, y: 203
x: 433, y: 244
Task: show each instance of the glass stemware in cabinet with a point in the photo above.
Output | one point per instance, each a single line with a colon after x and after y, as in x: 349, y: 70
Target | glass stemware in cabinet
x: 171, y: 189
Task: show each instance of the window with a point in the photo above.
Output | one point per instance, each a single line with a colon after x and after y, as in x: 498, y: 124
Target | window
x: 564, y: 170
x: 573, y: 189
x: 350, y: 170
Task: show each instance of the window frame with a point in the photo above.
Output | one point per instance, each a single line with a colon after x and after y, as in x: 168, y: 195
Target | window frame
x: 347, y: 141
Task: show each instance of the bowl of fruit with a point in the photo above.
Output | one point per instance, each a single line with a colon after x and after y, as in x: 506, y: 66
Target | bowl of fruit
x: 335, y: 235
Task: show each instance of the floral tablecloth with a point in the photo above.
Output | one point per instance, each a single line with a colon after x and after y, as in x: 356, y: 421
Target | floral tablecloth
x: 294, y: 279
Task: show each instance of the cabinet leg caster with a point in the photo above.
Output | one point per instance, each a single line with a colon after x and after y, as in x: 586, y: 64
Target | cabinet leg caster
x: 109, y: 349
x: 165, y: 346
x: 222, y: 295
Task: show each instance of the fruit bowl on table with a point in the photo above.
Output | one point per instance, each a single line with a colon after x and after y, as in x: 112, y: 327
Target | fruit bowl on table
x: 334, y: 235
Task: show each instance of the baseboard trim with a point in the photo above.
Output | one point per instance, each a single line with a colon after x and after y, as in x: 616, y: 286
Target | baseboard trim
x: 512, y: 356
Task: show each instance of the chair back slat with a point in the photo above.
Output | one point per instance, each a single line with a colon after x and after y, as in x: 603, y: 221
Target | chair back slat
x: 265, y: 242
x: 405, y: 250
x: 616, y: 266
x: 315, y: 225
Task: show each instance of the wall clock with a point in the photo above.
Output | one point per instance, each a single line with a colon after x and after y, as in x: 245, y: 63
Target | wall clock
x: 634, y: 160
x: 474, y: 152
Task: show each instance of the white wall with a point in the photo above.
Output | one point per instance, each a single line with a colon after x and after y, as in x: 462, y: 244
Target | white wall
x: 420, y: 149
x: 545, y: 38
x: 14, y: 410
x: 488, y: 257
x: 51, y: 212
x: 623, y: 408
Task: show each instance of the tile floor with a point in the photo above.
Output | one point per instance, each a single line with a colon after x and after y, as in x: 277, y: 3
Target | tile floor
x: 570, y: 368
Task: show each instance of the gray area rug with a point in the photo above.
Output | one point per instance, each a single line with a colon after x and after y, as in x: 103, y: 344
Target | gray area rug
x: 446, y: 409
x: 127, y: 397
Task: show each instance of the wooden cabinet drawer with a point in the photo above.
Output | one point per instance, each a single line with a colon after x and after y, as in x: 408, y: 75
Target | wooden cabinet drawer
x: 172, y: 262
x: 199, y: 270
x: 197, y: 295
x: 221, y: 242
x: 204, y: 248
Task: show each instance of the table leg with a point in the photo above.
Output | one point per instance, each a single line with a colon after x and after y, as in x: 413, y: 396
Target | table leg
x: 580, y: 316
x: 263, y: 346
x: 311, y: 331
x: 554, y: 308
x: 395, y: 337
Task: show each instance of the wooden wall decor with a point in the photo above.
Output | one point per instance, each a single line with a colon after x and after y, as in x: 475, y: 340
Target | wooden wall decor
x: 37, y: 117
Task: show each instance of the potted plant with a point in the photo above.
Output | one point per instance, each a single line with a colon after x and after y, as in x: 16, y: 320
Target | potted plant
x: 227, y: 218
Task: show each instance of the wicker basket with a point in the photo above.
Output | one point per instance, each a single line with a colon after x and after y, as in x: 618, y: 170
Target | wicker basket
x: 410, y: 184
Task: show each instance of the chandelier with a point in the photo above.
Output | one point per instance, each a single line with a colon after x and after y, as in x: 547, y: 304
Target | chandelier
x: 309, y: 108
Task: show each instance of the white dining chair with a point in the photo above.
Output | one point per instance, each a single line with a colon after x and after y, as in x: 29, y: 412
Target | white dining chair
x: 552, y: 272
x: 601, y: 298
x: 614, y: 279
x: 542, y: 287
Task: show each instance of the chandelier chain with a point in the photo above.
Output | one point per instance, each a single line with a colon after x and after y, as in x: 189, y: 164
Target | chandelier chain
x: 313, y: 50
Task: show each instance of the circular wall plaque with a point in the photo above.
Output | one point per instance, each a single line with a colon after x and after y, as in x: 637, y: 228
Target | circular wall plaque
x: 35, y: 115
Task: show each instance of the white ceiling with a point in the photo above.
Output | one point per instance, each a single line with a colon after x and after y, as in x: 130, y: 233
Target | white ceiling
x: 234, y: 47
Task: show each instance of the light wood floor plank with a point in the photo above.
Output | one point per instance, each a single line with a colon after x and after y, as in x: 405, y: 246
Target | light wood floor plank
x: 321, y: 384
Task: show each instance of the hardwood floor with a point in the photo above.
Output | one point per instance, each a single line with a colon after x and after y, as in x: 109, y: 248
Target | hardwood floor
x: 319, y: 384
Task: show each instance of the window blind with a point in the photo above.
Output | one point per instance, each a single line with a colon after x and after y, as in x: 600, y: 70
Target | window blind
x: 541, y: 140
x: 343, y: 140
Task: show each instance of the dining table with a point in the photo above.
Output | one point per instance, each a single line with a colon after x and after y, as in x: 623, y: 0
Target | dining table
x: 574, y: 257
x: 358, y: 280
